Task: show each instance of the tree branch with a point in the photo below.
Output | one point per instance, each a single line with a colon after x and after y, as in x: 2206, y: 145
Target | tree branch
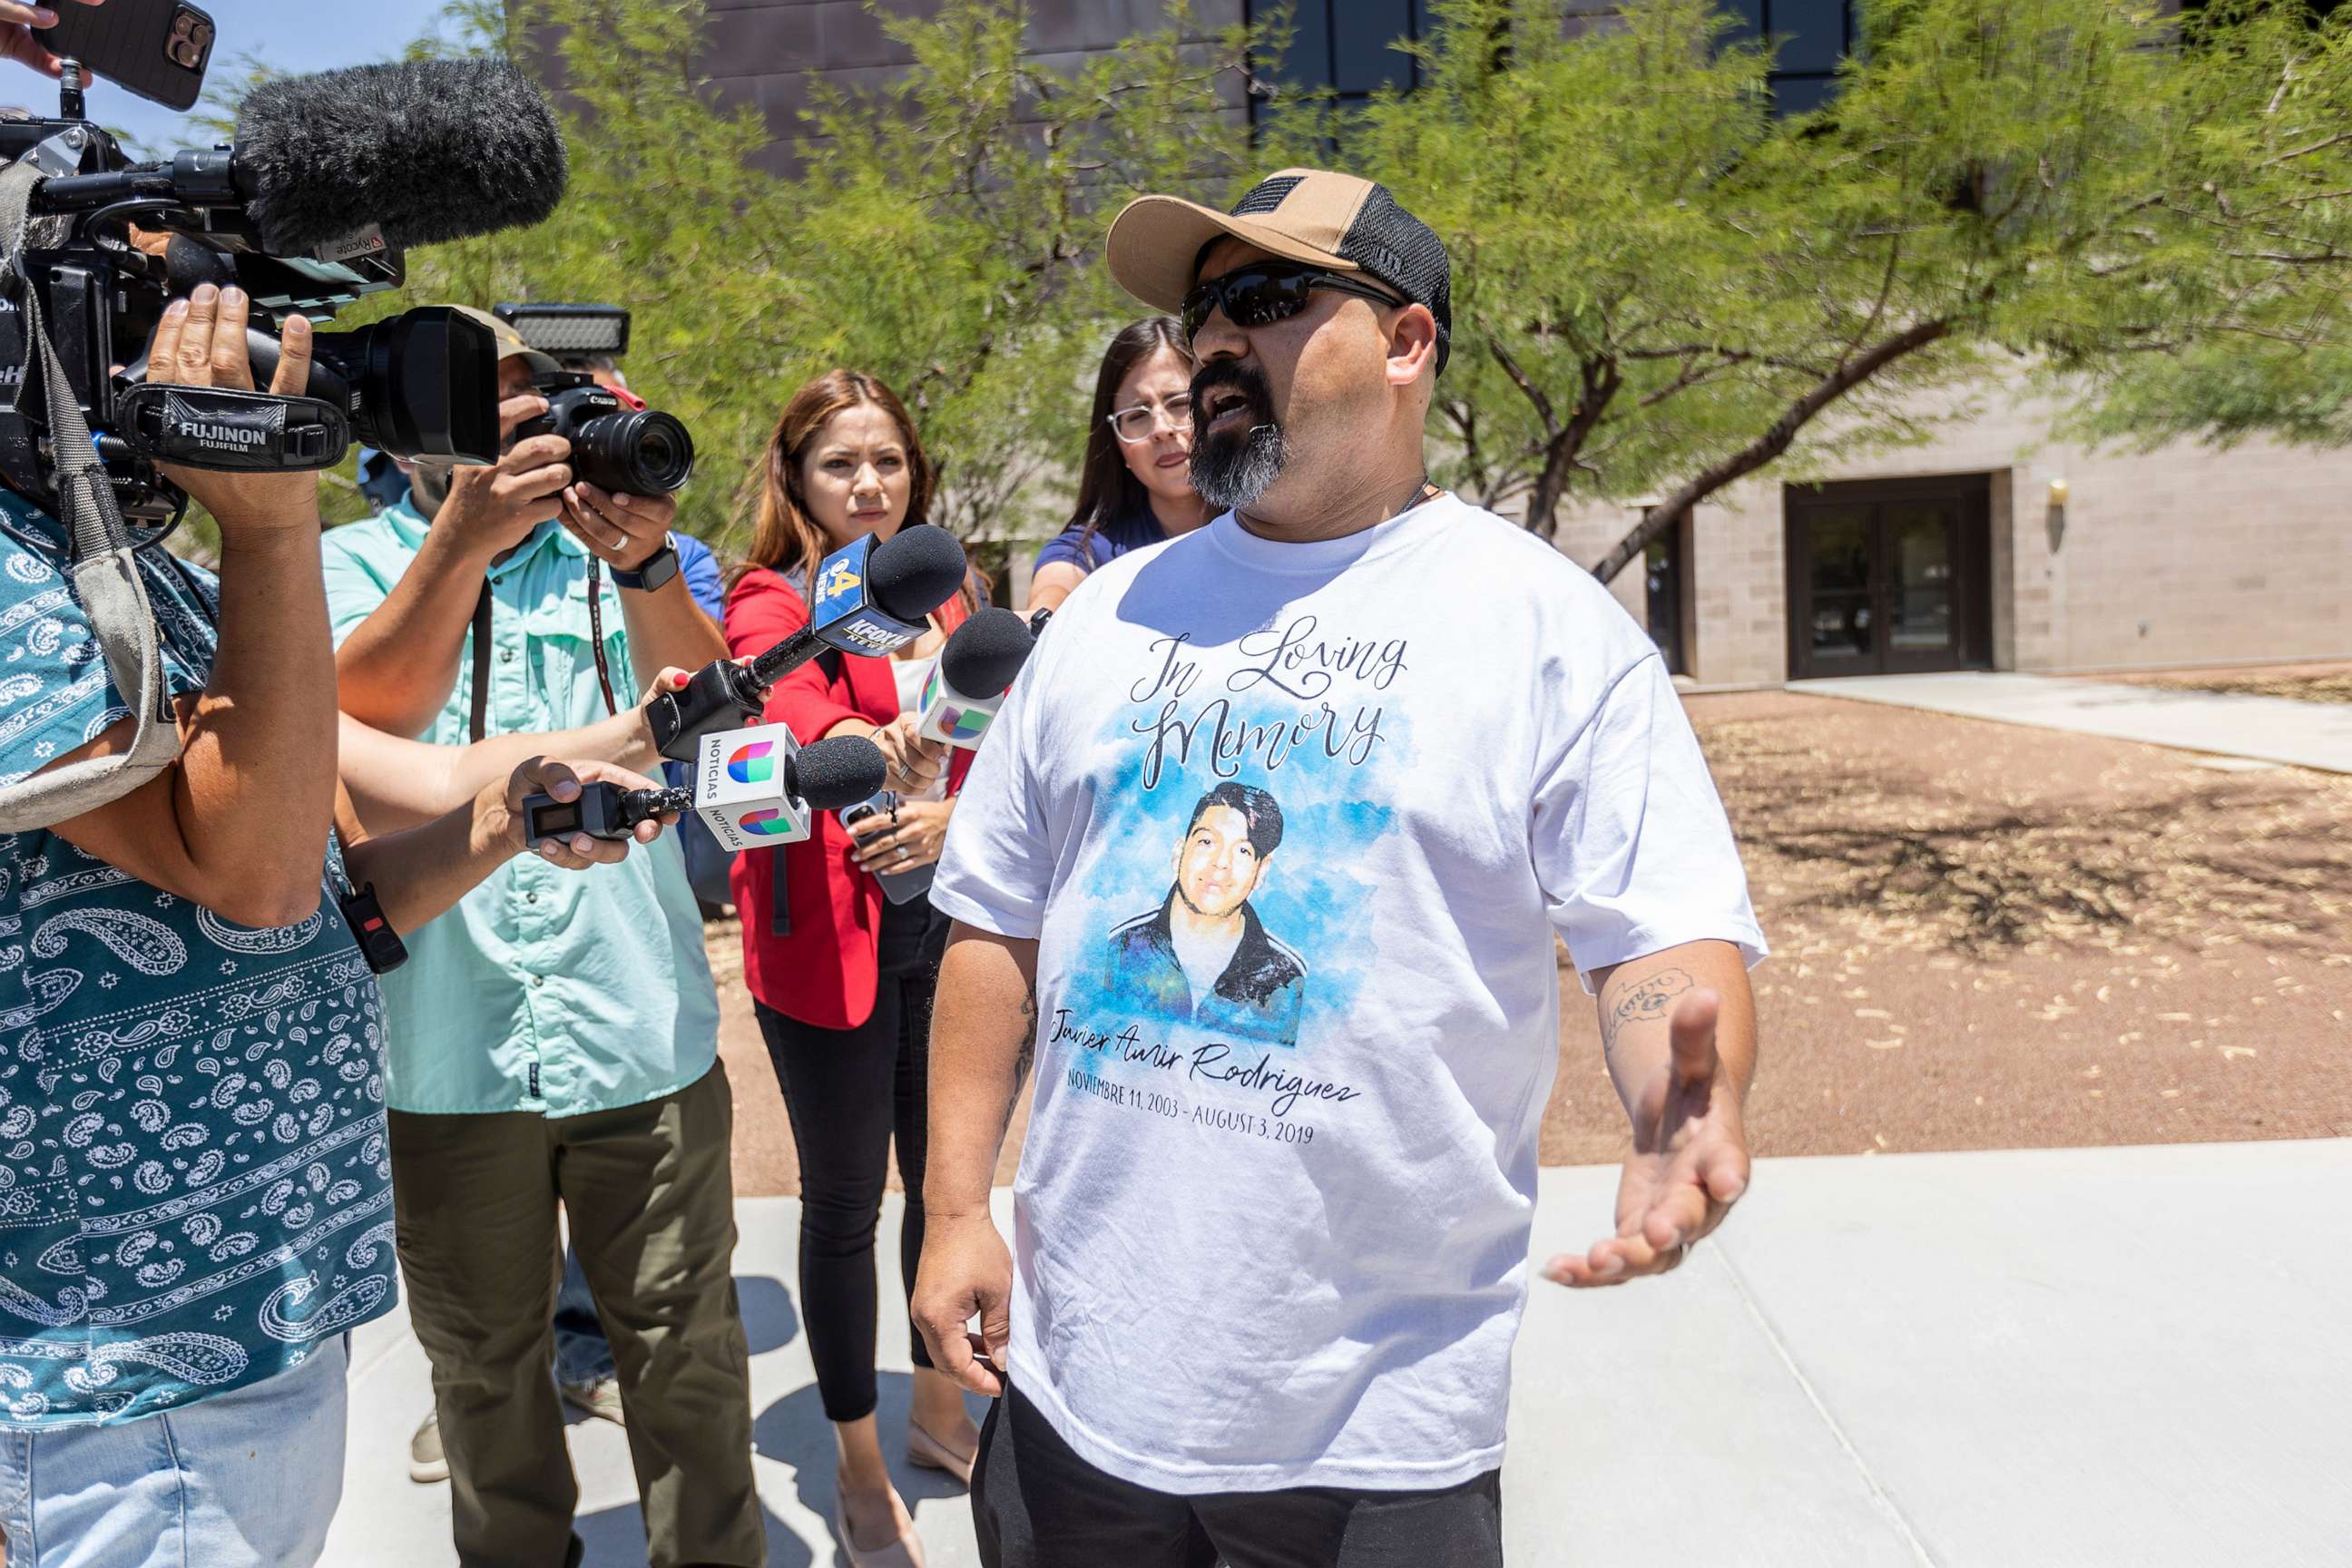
x: 1770, y: 445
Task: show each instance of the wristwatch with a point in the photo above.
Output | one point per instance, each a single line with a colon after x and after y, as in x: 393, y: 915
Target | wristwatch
x: 653, y: 571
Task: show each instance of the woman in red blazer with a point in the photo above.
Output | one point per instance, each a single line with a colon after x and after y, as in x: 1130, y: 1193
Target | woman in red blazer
x: 841, y: 977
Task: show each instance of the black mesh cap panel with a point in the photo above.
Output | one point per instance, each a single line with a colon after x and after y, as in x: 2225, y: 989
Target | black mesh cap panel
x: 1265, y: 195
x: 1400, y: 251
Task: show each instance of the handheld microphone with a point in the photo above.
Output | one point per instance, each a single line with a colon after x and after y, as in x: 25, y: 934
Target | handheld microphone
x: 870, y: 599
x: 754, y: 788
x: 968, y: 684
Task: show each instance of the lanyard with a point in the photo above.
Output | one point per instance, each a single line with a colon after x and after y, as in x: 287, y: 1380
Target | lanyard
x: 478, y: 721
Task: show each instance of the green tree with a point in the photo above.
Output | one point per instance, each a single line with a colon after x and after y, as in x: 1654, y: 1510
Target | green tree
x: 944, y: 233
x: 1663, y: 289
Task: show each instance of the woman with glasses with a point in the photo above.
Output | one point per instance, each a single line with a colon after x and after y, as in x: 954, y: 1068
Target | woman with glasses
x: 1137, y: 487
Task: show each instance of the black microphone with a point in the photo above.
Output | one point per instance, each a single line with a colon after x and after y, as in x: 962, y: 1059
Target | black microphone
x: 870, y: 599
x: 905, y: 577
x: 426, y: 151
x: 967, y: 686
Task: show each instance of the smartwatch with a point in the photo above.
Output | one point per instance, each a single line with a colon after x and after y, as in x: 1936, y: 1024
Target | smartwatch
x: 655, y: 571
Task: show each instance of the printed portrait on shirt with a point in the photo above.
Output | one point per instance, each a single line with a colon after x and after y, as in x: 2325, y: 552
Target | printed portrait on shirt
x: 1203, y: 956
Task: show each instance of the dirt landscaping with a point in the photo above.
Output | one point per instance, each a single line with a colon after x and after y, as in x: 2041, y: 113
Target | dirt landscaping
x: 2303, y: 682
x: 1985, y: 936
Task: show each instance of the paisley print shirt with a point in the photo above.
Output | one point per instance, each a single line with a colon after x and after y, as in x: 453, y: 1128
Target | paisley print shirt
x: 193, y: 1185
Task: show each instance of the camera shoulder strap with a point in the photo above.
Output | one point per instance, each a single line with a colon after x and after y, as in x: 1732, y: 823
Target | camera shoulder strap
x: 104, y: 571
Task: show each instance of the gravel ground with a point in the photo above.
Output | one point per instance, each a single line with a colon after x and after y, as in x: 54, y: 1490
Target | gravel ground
x: 1985, y: 936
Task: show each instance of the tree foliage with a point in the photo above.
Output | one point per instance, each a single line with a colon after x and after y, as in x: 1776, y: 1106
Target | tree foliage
x: 1662, y: 286
x: 944, y: 233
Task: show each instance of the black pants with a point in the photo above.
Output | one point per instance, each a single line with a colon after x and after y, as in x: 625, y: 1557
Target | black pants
x: 847, y: 1091
x: 1036, y: 1503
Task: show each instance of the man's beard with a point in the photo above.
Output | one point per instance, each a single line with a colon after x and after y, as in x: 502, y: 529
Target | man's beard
x: 1231, y: 470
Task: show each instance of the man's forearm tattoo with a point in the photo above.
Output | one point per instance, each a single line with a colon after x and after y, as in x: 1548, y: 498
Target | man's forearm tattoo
x: 1651, y: 1001
x: 1028, y: 1053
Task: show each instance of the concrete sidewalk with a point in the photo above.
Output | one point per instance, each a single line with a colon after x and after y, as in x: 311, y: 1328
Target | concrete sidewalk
x: 2060, y: 1359
x: 2230, y: 724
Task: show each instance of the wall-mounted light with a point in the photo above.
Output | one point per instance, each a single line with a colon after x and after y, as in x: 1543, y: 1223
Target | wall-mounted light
x: 2056, y: 517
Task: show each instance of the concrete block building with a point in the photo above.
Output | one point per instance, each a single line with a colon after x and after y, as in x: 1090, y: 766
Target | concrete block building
x: 1992, y: 547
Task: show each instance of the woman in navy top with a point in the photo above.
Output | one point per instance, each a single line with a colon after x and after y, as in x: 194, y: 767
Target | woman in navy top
x: 1136, y: 486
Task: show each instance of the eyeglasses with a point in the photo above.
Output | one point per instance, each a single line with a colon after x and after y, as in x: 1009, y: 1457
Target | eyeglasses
x: 1263, y: 293
x: 1137, y: 425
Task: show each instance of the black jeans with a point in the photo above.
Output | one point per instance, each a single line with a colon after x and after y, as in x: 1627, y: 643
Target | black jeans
x: 1036, y: 1503
x: 847, y: 1091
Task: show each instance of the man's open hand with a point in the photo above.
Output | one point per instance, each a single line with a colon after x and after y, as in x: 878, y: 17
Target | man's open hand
x: 1689, y: 1163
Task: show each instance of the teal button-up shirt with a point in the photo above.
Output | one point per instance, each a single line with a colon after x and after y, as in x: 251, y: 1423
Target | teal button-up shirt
x: 546, y: 990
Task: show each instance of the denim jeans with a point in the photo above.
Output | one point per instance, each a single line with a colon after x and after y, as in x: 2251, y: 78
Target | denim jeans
x: 583, y: 1353
x: 248, y: 1479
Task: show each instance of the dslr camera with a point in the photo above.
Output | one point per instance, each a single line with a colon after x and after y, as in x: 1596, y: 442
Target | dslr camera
x: 306, y: 211
x: 617, y: 443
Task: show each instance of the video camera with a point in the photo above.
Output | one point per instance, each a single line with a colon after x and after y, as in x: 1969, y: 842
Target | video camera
x: 308, y: 210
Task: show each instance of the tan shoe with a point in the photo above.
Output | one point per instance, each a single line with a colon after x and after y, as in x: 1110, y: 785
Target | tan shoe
x: 907, y: 1551
x: 601, y: 1399
x: 427, y: 1462
x: 928, y: 1451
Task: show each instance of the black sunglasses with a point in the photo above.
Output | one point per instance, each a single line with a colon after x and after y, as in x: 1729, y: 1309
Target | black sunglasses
x: 1263, y: 293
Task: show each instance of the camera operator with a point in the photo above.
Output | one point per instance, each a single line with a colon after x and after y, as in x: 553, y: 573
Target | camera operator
x: 190, y: 1039
x: 552, y: 1041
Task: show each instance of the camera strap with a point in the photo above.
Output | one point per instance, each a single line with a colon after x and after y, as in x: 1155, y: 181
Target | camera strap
x: 104, y: 571
x: 477, y: 722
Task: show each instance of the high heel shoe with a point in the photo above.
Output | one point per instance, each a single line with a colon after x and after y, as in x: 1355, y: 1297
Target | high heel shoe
x: 928, y: 1451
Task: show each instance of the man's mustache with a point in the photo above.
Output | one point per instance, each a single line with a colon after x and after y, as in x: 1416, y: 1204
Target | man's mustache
x: 1247, y: 380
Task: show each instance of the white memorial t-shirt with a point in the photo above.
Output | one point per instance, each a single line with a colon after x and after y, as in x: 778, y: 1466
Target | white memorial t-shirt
x: 1276, y: 1235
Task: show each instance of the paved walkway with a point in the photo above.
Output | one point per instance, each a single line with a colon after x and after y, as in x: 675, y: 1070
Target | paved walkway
x: 2230, y: 724
x: 2126, y: 1357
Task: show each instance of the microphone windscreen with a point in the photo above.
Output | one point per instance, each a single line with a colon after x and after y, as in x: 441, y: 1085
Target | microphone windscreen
x: 985, y: 653
x: 914, y: 572
x: 427, y: 151
x: 830, y: 775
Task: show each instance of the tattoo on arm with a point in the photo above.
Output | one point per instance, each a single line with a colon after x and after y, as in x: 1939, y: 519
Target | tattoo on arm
x: 1028, y: 1055
x: 1651, y: 1001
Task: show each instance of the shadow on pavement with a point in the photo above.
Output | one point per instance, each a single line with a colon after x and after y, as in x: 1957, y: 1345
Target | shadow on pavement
x: 794, y: 1431
x: 769, y: 1320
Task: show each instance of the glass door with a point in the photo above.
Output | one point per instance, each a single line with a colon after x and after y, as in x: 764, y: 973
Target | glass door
x: 1916, y: 556
x: 1838, y: 632
x: 1888, y: 577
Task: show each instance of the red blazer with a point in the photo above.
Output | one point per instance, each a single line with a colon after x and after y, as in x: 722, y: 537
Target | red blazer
x: 819, y: 968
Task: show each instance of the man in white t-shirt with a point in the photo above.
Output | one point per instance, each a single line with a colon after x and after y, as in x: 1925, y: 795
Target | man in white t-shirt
x: 1271, y: 1237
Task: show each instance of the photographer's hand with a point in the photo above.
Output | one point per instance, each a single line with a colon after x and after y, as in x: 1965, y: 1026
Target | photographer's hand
x: 201, y: 342
x: 238, y: 824
x: 491, y: 509
x: 621, y: 530
x: 17, y: 41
